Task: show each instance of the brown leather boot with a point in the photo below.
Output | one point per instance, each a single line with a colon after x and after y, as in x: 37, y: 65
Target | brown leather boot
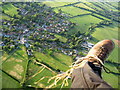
x: 100, y: 51
x: 89, y: 74
x: 97, y: 55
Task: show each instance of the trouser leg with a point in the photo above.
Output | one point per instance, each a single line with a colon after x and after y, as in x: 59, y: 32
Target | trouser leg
x: 85, y: 77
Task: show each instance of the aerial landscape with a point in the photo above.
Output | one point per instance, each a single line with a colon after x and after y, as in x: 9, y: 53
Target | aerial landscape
x: 42, y: 39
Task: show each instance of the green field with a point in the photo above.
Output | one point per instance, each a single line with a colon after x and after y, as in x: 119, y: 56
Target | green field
x: 83, y: 23
x: 61, y: 38
x: 5, y: 56
x: 72, y: 10
x: 55, y: 64
x: 10, y: 9
x: 99, y: 16
x: 90, y: 4
x: 35, y: 73
x: 108, y: 33
x: 113, y: 4
x: 5, y: 17
x: 63, y: 58
x: 84, y: 6
x: 16, y: 64
x: 106, y: 6
x: 19, y: 67
x: 8, y: 82
x: 111, y: 79
x: 56, y: 4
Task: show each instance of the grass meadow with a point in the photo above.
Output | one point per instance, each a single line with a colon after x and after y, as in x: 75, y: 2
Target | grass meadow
x: 73, y: 11
x: 83, y: 23
x: 84, y: 6
x: 16, y: 65
x: 5, y: 17
x: 9, y: 82
x: 108, y: 33
x: 10, y: 9
x: 61, y: 38
x: 56, y: 4
x: 52, y: 62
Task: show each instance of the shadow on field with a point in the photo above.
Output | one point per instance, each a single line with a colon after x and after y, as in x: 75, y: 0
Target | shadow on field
x: 115, y: 73
x: 117, y: 65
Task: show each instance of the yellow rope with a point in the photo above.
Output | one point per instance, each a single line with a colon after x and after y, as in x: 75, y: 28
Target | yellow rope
x: 46, y: 67
x: 39, y: 80
x: 37, y: 73
x: 64, y: 76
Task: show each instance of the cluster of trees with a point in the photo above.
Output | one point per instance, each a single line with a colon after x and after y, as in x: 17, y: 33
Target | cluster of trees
x: 9, y: 44
x: 77, y: 39
x: 100, y: 24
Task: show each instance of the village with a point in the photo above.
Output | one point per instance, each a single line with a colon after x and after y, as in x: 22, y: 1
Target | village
x: 39, y: 32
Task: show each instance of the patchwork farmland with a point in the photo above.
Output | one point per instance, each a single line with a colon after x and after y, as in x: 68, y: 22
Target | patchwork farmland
x: 55, y: 51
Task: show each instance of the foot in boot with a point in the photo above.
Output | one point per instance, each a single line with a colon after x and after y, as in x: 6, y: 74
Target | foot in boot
x: 101, y: 50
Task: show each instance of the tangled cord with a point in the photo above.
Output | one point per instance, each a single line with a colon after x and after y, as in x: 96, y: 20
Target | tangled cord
x: 77, y: 64
x: 107, y: 70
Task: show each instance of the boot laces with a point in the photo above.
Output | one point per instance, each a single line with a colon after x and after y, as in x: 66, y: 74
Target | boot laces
x: 77, y: 64
x: 103, y: 52
x: 97, y: 60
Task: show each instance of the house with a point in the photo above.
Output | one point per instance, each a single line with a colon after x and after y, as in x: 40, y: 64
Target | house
x: 27, y: 45
x: 2, y: 44
x: 70, y: 53
x: 90, y: 45
x: 26, y: 30
x: 87, y: 45
x: 22, y: 41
